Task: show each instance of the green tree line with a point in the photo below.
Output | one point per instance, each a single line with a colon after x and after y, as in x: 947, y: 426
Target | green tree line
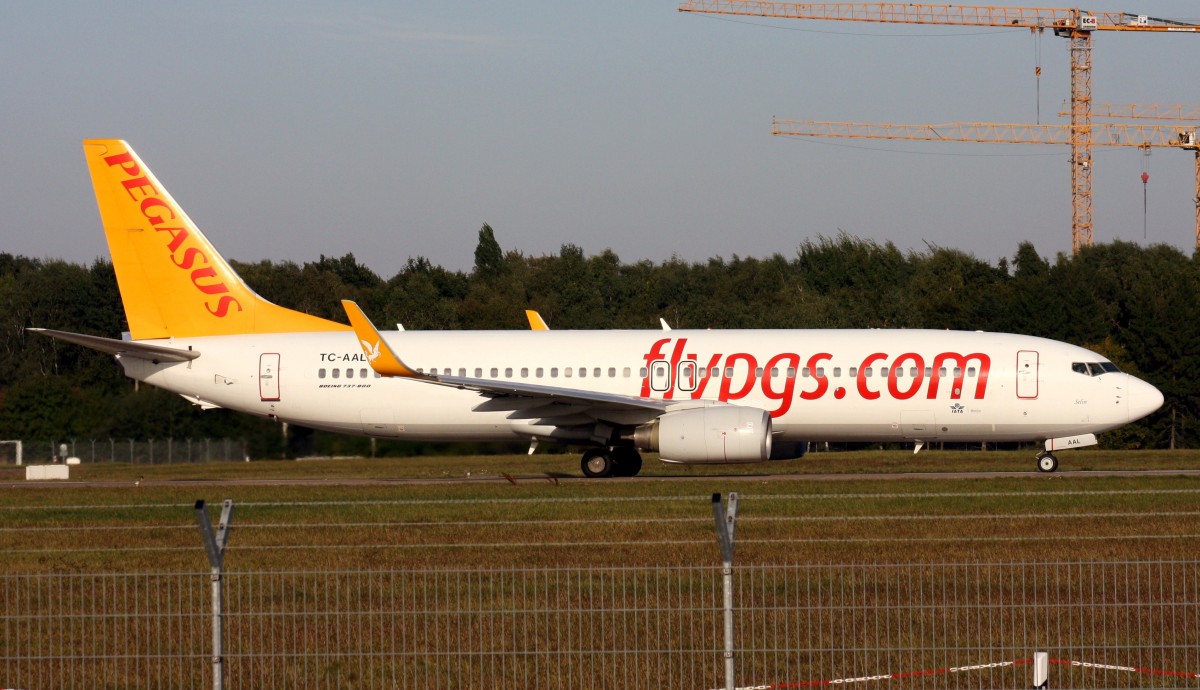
x: 1135, y: 305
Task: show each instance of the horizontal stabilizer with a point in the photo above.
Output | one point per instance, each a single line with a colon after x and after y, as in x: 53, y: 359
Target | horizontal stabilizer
x: 121, y: 348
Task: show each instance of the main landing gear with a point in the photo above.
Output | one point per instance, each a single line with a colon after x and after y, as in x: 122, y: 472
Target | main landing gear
x: 1046, y: 461
x: 620, y: 461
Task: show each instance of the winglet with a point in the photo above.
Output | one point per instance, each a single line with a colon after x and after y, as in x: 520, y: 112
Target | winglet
x: 536, y: 323
x: 379, y: 354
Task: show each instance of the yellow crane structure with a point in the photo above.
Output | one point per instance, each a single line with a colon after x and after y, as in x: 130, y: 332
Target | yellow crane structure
x: 1143, y: 136
x: 1074, y: 24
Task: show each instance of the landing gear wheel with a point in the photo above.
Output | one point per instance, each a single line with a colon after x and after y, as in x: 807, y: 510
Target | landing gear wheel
x: 1047, y: 462
x: 598, y: 462
x: 629, y: 461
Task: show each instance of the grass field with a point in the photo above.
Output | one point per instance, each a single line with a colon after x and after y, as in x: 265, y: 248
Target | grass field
x: 368, y: 517
x: 372, y: 580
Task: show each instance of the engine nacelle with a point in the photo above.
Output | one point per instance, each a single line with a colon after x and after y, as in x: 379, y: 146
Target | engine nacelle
x: 716, y: 434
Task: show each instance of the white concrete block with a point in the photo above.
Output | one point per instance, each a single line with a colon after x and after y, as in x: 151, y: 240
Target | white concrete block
x: 43, y: 472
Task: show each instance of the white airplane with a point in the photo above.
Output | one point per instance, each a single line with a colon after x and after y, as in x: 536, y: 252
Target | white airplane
x: 693, y: 396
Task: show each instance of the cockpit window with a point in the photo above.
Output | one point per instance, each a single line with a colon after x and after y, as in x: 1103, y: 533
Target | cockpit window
x: 1093, y: 368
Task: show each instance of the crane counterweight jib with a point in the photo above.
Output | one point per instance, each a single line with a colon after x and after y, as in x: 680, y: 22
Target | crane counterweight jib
x: 1037, y: 18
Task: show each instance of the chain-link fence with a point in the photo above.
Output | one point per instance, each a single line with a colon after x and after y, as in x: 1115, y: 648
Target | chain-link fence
x: 148, y: 452
x: 949, y: 625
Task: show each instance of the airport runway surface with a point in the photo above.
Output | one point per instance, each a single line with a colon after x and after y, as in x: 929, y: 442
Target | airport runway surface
x: 565, y: 478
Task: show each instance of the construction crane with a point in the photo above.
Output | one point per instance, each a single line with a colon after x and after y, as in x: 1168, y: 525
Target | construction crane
x: 1143, y: 111
x: 1074, y: 24
x: 1143, y: 136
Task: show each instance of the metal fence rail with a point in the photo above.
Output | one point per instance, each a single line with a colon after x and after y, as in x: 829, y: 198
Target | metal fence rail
x: 952, y: 625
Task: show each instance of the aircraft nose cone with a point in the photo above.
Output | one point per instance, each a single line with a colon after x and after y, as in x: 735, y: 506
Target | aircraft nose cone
x: 1143, y: 399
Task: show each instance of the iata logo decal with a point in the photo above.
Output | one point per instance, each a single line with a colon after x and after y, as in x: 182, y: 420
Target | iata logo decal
x: 372, y: 351
x: 159, y: 212
x: 957, y: 408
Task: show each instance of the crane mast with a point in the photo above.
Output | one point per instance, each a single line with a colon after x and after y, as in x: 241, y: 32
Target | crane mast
x: 1074, y: 24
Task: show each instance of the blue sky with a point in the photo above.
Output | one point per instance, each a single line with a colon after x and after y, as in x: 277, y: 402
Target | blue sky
x: 391, y: 130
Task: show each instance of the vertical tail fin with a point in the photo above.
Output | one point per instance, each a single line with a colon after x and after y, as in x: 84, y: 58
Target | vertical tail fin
x: 173, y: 282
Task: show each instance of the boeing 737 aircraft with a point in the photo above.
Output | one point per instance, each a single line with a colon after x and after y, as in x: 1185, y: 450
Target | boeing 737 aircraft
x: 693, y: 396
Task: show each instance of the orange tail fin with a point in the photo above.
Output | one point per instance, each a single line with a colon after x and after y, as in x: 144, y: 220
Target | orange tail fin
x: 173, y: 282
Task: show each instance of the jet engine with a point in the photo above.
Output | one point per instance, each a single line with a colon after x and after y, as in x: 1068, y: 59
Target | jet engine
x: 719, y: 434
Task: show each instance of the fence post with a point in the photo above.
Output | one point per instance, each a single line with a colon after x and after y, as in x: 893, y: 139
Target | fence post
x: 1041, y: 670
x: 214, y: 546
x: 725, y: 529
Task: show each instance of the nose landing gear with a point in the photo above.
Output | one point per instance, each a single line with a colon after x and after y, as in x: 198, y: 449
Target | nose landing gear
x: 1046, y: 462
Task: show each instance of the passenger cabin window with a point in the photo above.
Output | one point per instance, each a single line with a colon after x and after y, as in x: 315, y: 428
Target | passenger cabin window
x: 337, y: 373
x: 362, y: 373
x: 321, y: 373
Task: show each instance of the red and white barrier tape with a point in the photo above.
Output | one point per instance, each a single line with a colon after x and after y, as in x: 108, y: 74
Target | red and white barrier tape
x: 1131, y: 669
x: 959, y: 669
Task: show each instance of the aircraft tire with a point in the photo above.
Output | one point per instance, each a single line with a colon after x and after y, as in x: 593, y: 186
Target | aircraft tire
x: 598, y: 463
x: 1046, y: 462
x: 629, y: 461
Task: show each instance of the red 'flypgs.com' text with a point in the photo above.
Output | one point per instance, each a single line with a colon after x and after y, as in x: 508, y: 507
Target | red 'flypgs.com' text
x: 688, y: 377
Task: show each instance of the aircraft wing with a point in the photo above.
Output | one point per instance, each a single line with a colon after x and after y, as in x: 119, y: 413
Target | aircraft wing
x: 121, y: 348
x: 536, y: 400
x: 523, y: 394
